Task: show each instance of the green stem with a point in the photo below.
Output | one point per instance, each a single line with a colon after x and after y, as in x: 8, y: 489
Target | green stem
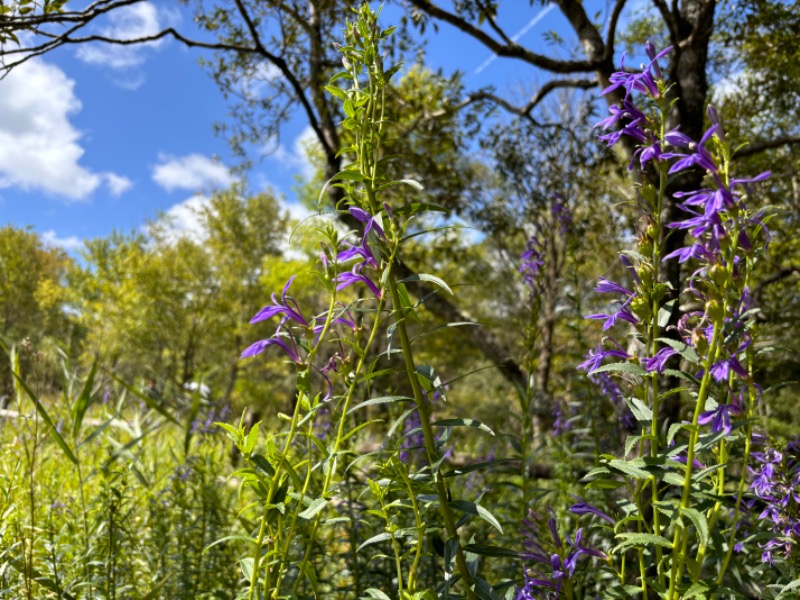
x: 340, y: 431
x: 430, y: 439
x: 677, y: 541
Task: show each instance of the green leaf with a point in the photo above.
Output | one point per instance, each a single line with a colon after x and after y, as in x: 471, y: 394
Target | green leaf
x: 82, y: 402
x: 46, y: 418
x: 640, y: 410
x: 380, y: 400
x: 478, y: 510
x: 252, y: 439
x: 316, y: 506
x: 247, y: 568
x: 429, y: 279
x: 685, y: 350
x: 699, y: 522
x: 629, y: 468
x: 375, y: 539
x: 621, y: 367
x: 791, y: 586
x: 698, y: 590
x: 665, y: 312
x: 262, y: 464
x: 463, y: 423
x: 335, y: 91
x: 230, y: 538
x: 310, y: 574
x: 376, y: 594
x: 643, y: 540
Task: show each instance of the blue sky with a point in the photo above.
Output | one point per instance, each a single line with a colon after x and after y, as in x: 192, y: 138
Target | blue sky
x: 98, y: 138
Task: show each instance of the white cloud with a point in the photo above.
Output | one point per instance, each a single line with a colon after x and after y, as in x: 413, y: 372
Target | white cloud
x: 193, y: 172
x: 39, y: 147
x: 50, y: 238
x: 117, y: 184
x: 182, y: 220
x: 129, y: 22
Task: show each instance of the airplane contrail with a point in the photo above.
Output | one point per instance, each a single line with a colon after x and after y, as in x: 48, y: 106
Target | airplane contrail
x: 542, y: 14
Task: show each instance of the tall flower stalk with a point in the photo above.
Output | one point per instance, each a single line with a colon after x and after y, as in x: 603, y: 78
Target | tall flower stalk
x: 293, y: 501
x: 673, y: 514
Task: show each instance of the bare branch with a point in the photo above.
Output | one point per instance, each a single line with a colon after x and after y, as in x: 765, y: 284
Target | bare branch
x: 582, y: 84
x: 670, y: 20
x: 612, y: 28
x: 757, y: 147
x: 511, y: 50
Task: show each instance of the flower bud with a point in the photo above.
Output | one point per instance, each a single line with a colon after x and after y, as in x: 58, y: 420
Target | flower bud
x: 653, y: 231
x: 718, y: 275
x: 640, y: 306
x: 714, y: 310
x: 646, y: 276
x: 713, y: 116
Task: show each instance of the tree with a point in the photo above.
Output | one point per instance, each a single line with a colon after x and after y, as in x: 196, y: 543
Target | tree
x: 174, y: 307
x: 31, y: 293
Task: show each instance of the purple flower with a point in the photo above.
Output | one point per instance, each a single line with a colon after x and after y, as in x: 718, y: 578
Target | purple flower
x: 262, y: 345
x: 605, y: 286
x: 719, y: 418
x: 348, y: 278
x: 640, y: 81
x: 532, y: 262
x: 658, y: 362
x: 288, y: 306
x: 595, y: 356
x: 623, y: 314
x: 370, y: 221
x: 584, y: 508
x: 361, y: 250
x: 694, y: 251
x: 721, y: 370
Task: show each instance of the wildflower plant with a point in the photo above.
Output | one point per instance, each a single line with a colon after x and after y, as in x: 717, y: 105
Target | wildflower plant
x: 296, y: 481
x: 679, y: 487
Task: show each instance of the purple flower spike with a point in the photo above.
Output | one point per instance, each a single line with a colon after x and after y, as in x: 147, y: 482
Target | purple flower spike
x: 584, y: 508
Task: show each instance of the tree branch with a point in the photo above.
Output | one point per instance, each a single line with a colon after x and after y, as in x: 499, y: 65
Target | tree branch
x: 669, y: 19
x: 612, y: 29
x: 510, y: 50
x: 757, y: 147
